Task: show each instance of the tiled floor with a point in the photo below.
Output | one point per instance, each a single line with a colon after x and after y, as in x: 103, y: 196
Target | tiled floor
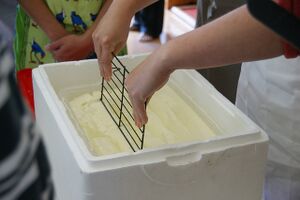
x: 173, y: 27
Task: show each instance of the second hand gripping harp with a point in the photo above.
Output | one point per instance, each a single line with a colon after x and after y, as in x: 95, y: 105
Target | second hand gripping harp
x: 114, y: 97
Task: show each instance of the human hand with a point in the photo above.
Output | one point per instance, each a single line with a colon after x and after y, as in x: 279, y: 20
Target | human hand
x: 151, y: 75
x: 71, y: 47
x: 110, y: 37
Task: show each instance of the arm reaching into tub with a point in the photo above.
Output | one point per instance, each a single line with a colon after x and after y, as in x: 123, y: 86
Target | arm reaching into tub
x: 234, y: 38
x: 113, y: 37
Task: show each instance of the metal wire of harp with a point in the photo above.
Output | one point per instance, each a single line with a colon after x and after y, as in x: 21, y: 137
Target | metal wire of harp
x: 114, y: 97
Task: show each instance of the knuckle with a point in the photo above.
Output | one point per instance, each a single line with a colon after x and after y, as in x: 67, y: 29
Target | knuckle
x: 134, y: 94
x: 105, y: 41
x: 96, y: 36
x: 128, y: 86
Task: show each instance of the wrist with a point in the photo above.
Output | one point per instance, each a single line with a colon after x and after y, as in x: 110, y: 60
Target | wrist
x: 125, y: 9
x: 88, y: 42
x: 55, y: 35
x: 165, y: 59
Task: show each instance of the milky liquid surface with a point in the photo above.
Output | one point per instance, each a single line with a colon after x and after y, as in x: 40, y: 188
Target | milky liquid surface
x: 171, y: 120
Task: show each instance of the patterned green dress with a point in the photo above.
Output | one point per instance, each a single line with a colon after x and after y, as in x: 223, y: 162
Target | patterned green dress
x: 30, y: 41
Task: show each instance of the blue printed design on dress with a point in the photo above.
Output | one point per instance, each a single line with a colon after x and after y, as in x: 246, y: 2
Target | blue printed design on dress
x: 93, y: 16
x: 77, y: 22
x: 60, y: 17
x: 36, y: 49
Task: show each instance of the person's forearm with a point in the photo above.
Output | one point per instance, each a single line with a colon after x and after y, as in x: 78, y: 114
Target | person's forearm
x: 234, y: 38
x: 102, y: 12
x: 134, y: 5
x: 127, y: 8
x: 40, y: 13
x: 89, y: 32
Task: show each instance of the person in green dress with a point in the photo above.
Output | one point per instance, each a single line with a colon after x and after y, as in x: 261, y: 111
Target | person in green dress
x: 56, y: 30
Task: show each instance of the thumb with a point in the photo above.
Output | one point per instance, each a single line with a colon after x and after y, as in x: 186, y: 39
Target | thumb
x: 54, y: 45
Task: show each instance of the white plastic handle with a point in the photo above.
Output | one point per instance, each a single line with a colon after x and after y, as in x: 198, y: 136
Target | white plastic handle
x: 184, y: 159
x: 176, y: 170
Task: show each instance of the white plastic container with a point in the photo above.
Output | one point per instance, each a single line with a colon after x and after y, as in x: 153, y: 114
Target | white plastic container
x: 227, y: 167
